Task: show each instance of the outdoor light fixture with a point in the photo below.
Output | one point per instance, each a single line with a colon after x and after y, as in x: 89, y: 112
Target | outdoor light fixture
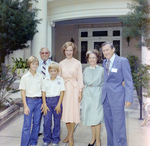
x: 72, y: 40
x: 128, y: 40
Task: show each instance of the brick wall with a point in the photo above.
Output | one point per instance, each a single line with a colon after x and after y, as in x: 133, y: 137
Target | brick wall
x: 64, y: 33
x: 131, y: 49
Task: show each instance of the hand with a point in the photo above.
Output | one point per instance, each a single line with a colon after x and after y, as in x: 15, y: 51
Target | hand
x: 80, y: 96
x: 44, y: 109
x: 26, y: 110
x: 57, y: 109
x: 123, y: 83
x: 127, y: 104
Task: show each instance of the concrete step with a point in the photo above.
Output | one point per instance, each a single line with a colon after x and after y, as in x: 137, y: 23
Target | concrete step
x: 8, y: 114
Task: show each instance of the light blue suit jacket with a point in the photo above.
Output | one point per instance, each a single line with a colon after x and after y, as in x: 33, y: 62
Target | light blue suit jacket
x: 113, y: 88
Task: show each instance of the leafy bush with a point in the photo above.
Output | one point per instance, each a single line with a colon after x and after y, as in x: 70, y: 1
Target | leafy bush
x: 140, y: 74
x: 18, y: 25
x: 19, y: 64
x: 136, y: 22
x: 6, y: 81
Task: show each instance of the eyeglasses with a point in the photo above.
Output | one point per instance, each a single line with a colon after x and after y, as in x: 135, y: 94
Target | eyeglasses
x: 92, y: 58
x: 44, y: 53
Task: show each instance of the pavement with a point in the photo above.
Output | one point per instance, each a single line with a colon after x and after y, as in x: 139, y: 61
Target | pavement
x: 10, y: 134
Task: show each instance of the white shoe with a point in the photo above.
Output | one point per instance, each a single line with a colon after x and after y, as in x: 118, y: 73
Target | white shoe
x: 54, y: 144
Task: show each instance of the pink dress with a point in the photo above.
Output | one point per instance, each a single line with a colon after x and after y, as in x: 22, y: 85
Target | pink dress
x: 71, y: 71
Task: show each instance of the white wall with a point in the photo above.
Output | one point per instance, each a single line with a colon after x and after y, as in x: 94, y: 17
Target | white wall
x: 145, y: 55
x: 73, y: 9
x: 40, y: 38
x: 24, y: 53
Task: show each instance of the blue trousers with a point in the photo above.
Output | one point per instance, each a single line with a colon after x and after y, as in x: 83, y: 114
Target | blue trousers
x: 30, y: 136
x: 55, y: 135
x: 114, y: 117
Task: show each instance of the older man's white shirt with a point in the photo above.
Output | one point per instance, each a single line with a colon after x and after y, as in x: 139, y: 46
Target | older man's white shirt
x: 48, y: 62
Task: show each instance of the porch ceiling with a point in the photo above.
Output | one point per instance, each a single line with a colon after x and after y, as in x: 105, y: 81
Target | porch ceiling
x: 89, y: 20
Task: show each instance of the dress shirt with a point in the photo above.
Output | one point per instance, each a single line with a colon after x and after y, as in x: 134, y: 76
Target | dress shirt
x: 31, y: 84
x: 48, y: 62
x: 53, y: 88
x: 111, y: 61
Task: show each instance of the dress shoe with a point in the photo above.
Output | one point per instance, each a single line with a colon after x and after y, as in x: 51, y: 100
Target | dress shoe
x: 39, y: 134
x: 92, y: 144
x: 55, y: 144
x: 44, y: 144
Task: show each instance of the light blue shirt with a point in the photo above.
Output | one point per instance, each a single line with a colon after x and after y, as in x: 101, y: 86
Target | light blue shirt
x: 111, y: 61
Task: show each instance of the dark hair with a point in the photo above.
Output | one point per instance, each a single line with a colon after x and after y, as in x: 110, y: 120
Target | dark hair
x: 67, y: 44
x: 93, y: 51
x: 107, y: 43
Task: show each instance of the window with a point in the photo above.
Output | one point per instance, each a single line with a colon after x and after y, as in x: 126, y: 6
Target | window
x: 116, y: 33
x: 84, y: 47
x: 92, y: 38
x: 97, y: 45
x: 84, y: 34
x: 100, y: 33
x: 116, y: 44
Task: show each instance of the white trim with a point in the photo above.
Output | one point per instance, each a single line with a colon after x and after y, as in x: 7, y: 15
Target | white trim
x: 90, y: 39
x: 60, y: 10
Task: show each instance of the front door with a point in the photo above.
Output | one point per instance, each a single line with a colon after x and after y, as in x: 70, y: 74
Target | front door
x: 93, y: 38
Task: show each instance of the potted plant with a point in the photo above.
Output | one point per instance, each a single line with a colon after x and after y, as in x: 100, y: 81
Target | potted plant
x: 6, y: 81
x: 8, y: 108
x: 19, y: 66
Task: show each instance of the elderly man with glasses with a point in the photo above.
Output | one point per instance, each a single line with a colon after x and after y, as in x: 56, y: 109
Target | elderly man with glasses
x: 44, y: 62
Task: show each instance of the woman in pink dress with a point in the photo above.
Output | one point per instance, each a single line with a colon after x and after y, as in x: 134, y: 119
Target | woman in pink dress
x: 71, y: 72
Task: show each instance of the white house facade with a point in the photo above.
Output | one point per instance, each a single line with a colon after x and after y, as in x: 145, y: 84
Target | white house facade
x: 88, y: 23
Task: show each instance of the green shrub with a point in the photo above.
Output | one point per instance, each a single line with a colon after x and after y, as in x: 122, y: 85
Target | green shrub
x: 6, y: 81
x: 19, y: 64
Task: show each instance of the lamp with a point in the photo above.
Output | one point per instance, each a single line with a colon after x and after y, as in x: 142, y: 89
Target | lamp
x: 72, y: 40
x: 128, y: 40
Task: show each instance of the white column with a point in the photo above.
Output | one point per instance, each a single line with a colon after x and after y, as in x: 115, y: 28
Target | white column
x: 145, y: 55
x: 50, y: 26
x: 39, y: 39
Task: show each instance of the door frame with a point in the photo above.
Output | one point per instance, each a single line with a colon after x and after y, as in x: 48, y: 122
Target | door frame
x: 90, y: 39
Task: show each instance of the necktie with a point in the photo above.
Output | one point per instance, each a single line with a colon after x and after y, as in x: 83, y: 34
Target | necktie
x: 43, y: 71
x: 107, y: 66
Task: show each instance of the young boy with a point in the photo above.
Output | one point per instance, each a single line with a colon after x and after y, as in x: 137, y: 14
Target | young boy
x: 30, y: 86
x: 52, y: 95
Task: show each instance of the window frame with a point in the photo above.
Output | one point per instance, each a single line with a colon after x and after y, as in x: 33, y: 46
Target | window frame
x: 90, y: 39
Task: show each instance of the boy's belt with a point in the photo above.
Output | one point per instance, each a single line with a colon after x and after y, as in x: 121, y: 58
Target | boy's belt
x: 52, y: 96
x: 34, y: 97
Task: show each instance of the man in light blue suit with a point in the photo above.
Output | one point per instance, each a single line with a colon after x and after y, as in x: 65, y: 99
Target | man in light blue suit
x: 114, y: 95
